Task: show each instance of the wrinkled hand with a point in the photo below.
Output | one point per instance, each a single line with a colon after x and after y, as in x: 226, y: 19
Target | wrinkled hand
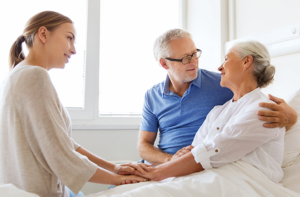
x: 130, y: 168
x: 153, y: 175
x: 183, y: 151
x: 282, y: 116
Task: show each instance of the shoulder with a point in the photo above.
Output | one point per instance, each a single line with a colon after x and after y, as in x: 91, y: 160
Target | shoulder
x: 250, y: 107
x: 253, y: 102
x: 210, y: 81
x: 210, y: 76
x: 155, y: 90
x: 31, y: 75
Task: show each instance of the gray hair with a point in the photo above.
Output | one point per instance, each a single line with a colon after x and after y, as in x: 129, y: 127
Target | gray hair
x: 263, y: 70
x: 161, y: 45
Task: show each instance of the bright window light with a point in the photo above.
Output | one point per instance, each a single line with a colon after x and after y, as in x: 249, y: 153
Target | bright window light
x: 128, y: 30
x: 68, y: 82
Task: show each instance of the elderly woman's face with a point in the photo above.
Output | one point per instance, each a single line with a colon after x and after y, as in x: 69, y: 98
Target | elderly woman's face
x: 231, y: 70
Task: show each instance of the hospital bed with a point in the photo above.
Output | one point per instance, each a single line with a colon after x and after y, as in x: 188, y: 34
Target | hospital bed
x: 236, y: 179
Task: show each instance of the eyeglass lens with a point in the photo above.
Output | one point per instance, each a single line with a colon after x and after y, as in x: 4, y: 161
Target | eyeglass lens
x: 188, y: 59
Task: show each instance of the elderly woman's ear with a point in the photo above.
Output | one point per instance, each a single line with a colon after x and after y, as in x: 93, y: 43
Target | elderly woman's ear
x: 247, y: 62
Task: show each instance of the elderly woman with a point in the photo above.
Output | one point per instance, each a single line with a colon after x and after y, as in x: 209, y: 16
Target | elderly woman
x: 233, y: 131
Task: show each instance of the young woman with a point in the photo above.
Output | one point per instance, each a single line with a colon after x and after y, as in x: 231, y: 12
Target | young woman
x: 37, y: 153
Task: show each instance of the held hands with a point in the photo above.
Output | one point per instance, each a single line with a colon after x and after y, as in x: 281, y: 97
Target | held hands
x: 182, y: 152
x: 282, y: 116
x: 138, y: 169
x: 130, y: 168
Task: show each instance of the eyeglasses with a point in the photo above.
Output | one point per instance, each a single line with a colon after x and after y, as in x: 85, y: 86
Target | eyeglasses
x: 187, y: 59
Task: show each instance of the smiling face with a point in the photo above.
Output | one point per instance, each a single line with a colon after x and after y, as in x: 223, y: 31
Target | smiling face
x: 232, y: 70
x: 180, y: 48
x: 60, y: 45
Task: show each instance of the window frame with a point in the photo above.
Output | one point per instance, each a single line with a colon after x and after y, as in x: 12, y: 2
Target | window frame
x: 88, y: 117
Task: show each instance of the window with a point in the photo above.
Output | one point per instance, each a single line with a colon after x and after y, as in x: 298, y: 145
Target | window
x: 114, y: 64
x: 128, y: 69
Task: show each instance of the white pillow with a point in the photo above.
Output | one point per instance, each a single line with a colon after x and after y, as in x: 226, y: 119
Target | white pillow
x: 292, y: 137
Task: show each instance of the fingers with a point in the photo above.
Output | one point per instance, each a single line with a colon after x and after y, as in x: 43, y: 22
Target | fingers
x: 272, y: 106
x: 132, y: 179
x: 270, y: 119
x: 137, y: 178
x: 276, y: 99
x: 272, y: 125
x: 190, y: 147
x: 268, y: 113
x: 140, y: 167
x: 146, y: 167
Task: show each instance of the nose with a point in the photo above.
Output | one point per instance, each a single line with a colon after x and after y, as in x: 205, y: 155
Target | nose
x: 220, y: 68
x: 73, y: 50
x: 193, y: 60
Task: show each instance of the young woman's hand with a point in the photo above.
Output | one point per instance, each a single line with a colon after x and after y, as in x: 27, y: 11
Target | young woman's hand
x: 128, y: 179
x: 130, y: 168
x: 182, y: 152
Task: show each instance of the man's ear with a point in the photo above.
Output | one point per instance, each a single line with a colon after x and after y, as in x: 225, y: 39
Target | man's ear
x: 163, y: 63
x: 43, y: 34
x: 248, y: 60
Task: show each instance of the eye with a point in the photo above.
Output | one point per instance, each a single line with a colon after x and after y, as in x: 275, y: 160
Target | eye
x: 70, y: 38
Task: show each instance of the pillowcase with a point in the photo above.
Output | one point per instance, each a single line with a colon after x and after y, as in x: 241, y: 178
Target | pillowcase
x: 292, y: 137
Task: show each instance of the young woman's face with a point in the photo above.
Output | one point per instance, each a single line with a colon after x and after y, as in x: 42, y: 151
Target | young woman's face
x: 60, y: 45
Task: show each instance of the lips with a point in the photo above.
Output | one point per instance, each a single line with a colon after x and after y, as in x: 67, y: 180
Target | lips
x: 68, y: 57
x: 192, y: 69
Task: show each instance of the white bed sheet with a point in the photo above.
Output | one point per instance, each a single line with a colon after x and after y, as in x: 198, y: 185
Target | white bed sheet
x: 237, y: 179
x: 291, y: 179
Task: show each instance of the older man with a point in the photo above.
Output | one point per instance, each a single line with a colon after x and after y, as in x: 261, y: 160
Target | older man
x: 179, y: 105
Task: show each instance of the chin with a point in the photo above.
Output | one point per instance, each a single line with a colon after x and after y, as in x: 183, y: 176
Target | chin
x: 222, y: 84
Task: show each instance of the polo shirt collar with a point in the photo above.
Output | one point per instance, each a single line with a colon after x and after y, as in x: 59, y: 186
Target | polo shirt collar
x: 196, y: 82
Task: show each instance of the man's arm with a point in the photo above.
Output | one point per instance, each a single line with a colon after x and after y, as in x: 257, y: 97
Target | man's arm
x: 147, y: 150
x: 281, y: 116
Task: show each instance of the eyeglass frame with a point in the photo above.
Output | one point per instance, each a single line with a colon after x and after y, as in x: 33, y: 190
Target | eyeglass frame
x: 180, y: 60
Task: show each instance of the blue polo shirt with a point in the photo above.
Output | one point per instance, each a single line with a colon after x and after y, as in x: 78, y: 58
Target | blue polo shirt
x: 179, y: 118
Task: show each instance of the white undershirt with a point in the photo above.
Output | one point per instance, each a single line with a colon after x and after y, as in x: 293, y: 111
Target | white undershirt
x: 233, y: 132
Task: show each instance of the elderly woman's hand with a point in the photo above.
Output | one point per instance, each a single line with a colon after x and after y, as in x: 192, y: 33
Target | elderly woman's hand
x: 183, y: 151
x: 282, y: 116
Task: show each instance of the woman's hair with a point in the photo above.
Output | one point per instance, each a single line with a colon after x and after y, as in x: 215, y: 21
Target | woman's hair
x: 49, y: 19
x: 161, y: 44
x: 263, y: 70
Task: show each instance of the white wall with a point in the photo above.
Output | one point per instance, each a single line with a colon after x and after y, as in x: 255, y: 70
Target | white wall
x: 207, y: 22
x: 258, y: 16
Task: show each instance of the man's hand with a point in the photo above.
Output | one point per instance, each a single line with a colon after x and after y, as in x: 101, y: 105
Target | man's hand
x: 130, y: 168
x: 182, y: 152
x: 281, y: 116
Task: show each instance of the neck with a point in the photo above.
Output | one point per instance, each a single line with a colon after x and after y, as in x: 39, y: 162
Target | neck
x: 178, y: 88
x: 243, y: 88
x: 35, y: 58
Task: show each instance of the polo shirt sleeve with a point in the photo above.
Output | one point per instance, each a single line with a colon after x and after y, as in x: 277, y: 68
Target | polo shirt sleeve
x: 149, y: 120
x: 234, y: 142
